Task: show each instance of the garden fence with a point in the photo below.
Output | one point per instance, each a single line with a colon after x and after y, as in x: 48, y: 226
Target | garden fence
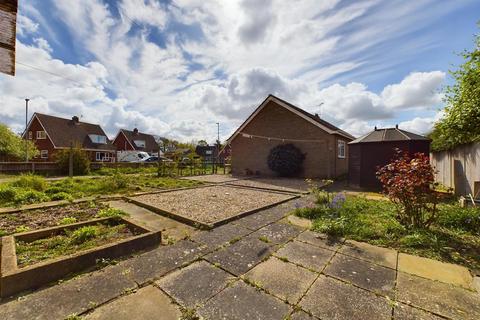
x: 459, y: 169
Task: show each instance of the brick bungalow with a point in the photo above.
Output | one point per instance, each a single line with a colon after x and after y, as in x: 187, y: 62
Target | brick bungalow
x: 50, y: 134
x: 276, y: 122
x: 127, y: 140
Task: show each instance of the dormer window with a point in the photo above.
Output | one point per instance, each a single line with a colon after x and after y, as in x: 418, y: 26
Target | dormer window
x: 98, y: 138
x: 41, y: 135
x: 139, y: 143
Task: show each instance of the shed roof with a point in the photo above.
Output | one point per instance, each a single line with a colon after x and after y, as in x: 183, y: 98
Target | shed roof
x: 62, y: 132
x: 389, y: 134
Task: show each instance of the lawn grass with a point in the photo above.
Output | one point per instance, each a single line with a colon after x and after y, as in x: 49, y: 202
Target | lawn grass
x: 454, y: 238
x: 28, y: 189
x: 69, y: 242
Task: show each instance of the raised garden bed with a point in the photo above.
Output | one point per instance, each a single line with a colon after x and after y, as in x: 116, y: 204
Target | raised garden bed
x: 32, y: 259
x: 29, y: 220
x: 211, y: 206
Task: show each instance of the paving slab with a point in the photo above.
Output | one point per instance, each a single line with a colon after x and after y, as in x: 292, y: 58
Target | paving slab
x: 194, y: 284
x: 241, y: 256
x: 476, y: 283
x: 332, y: 299
x: 382, y: 256
x: 321, y: 240
x: 262, y: 218
x: 306, y: 255
x: 171, y: 229
x: 301, y: 315
x: 363, y: 274
x: 435, y: 270
x: 300, y: 222
x: 154, y: 264
x: 148, y: 303
x: 284, y: 280
x: 277, y: 233
x: 221, y: 235
x: 405, y: 312
x: 437, y: 297
x: 71, y: 297
x: 244, y: 302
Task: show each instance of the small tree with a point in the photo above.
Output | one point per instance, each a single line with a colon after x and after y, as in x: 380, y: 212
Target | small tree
x: 81, y: 162
x: 408, y: 183
x: 12, y: 146
x: 285, y: 159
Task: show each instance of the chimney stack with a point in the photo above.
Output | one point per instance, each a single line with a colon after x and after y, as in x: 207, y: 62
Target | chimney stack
x: 135, y: 131
x: 317, y: 116
x: 396, y: 126
x: 375, y: 128
x: 75, y: 120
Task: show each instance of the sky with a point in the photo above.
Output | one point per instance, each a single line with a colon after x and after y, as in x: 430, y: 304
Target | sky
x: 176, y: 68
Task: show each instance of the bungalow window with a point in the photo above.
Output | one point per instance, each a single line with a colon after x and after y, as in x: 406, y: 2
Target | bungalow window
x: 44, y: 154
x: 139, y: 143
x: 98, y: 138
x: 101, y: 156
x: 41, y: 135
x: 30, y: 135
x: 341, y: 149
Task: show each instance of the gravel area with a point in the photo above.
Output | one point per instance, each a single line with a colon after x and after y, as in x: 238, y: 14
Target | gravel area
x: 211, y: 204
x: 213, y: 178
x: 282, y: 184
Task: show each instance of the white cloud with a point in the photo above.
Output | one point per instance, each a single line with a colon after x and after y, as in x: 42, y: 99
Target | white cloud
x: 418, y: 89
x: 25, y: 25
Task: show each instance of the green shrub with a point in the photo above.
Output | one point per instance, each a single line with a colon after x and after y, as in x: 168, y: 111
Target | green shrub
x: 30, y: 181
x: 7, y: 194
x: 312, y: 213
x: 114, y: 183
x: 453, y: 216
x: 110, y: 213
x: 67, y: 220
x: 29, y: 197
x: 3, y: 233
x: 419, y: 239
x: 61, y: 196
x: 81, y: 162
x: 83, y: 234
x: 55, y: 189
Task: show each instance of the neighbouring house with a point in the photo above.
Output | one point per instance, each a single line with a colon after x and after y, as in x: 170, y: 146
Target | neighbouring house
x: 127, y: 140
x: 50, y: 134
x: 208, y: 153
x: 275, y: 122
x: 376, y: 149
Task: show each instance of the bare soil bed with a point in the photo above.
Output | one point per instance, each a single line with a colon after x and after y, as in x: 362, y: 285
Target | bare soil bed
x: 29, y: 220
x: 212, y: 178
x: 282, y: 184
x: 211, y: 204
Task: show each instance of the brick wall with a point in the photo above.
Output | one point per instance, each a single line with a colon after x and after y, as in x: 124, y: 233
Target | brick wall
x: 275, y: 121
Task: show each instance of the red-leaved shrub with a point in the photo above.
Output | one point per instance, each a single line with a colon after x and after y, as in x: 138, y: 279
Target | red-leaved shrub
x: 408, y: 182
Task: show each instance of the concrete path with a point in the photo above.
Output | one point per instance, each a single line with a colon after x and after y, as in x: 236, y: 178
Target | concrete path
x: 172, y: 230
x: 260, y: 267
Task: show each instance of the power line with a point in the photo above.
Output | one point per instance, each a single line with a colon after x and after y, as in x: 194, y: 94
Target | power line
x: 55, y: 74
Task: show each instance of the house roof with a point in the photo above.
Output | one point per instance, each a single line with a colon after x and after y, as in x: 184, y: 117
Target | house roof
x: 388, y: 134
x: 314, y: 119
x: 150, y: 143
x: 63, y: 132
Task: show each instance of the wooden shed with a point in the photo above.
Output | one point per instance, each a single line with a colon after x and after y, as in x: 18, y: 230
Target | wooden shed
x: 377, y: 149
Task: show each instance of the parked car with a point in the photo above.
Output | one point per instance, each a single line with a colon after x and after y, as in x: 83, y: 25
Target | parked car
x: 155, y: 159
x: 131, y: 156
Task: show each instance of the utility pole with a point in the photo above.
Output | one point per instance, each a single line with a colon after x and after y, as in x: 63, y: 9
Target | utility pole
x: 218, y: 132
x: 26, y: 133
